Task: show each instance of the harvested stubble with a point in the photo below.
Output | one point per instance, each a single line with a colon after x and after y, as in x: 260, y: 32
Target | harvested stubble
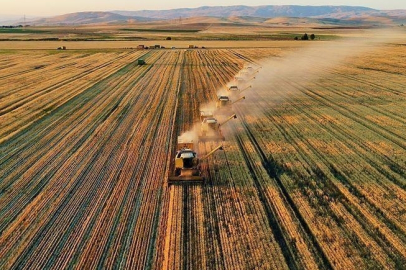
x: 312, y: 176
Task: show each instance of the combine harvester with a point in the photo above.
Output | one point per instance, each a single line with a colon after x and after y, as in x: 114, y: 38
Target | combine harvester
x: 187, y: 164
x: 243, y: 80
x: 210, y: 129
x: 249, y: 70
x: 225, y: 102
x: 233, y: 89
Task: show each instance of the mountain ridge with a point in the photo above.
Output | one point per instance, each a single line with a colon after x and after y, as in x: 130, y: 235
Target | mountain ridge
x: 266, y: 11
x: 240, y: 11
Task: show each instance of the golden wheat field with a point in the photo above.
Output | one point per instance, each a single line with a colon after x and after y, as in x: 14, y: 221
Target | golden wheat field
x: 312, y: 175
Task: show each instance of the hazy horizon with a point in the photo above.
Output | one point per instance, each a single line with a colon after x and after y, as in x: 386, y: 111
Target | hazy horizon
x: 43, y: 8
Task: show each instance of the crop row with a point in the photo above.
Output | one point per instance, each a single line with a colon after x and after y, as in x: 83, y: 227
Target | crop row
x: 36, y: 92
x: 312, y: 175
x: 315, y: 152
x: 82, y: 186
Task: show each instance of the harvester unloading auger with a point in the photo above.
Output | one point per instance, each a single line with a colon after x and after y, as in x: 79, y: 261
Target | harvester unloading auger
x: 210, y: 129
x: 187, y: 164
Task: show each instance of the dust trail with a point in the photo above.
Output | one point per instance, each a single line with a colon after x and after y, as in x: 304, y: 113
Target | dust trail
x: 304, y: 65
x: 208, y: 107
x: 310, y: 63
x: 223, y: 91
x: 190, y: 135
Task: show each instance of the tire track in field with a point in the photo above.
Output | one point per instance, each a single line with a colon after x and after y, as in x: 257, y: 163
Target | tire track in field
x: 346, y: 137
x: 139, y: 196
x: 273, y: 174
x: 384, y: 242
x: 297, y: 132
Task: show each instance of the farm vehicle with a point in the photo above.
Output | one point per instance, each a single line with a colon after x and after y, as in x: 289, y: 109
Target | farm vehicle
x: 188, y: 164
x: 210, y: 128
x: 225, y: 102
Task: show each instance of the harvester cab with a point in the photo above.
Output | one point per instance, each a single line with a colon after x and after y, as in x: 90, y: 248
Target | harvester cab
x: 223, y: 101
x: 233, y: 89
x: 187, y: 164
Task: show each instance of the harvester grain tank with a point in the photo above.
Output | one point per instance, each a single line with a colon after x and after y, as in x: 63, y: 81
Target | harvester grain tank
x: 187, y: 163
x: 205, y: 114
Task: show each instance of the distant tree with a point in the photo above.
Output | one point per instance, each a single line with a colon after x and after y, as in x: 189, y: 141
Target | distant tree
x: 296, y: 38
x: 312, y: 36
x: 305, y: 37
x: 168, y: 38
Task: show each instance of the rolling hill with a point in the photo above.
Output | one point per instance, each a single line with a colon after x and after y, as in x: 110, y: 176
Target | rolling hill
x: 87, y: 18
x: 337, y: 15
x: 268, y: 11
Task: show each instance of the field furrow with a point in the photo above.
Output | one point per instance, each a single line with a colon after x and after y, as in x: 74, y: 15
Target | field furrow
x: 311, y: 175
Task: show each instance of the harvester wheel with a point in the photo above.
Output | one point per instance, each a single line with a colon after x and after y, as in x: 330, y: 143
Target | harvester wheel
x: 177, y: 171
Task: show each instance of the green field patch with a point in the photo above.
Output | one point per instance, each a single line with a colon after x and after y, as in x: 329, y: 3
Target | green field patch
x: 21, y: 31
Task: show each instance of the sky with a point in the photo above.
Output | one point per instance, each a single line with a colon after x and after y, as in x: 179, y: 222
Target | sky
x: 51, y: 8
